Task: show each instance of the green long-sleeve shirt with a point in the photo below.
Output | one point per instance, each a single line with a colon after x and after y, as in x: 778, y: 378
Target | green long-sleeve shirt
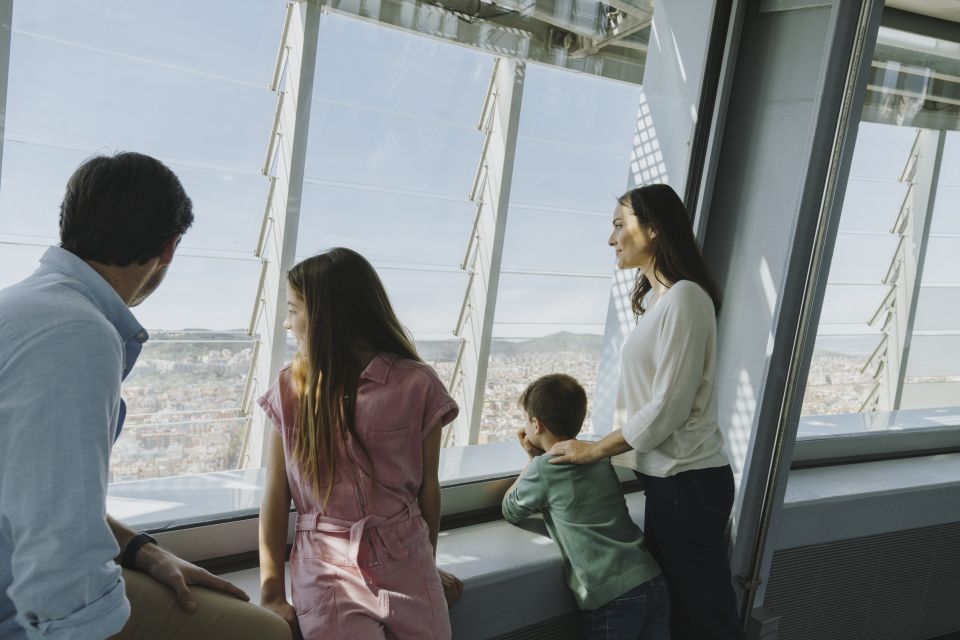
x: 587, y: 517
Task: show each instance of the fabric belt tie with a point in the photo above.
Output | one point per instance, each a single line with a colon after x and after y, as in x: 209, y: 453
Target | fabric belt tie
x: 379, y: 524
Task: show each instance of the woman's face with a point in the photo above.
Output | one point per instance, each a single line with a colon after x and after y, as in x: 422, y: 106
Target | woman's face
x: 631, y: 240
x: 296, y: 322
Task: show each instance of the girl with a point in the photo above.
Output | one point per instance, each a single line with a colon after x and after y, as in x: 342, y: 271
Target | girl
x: 667, y: 384
x: 357, y: 446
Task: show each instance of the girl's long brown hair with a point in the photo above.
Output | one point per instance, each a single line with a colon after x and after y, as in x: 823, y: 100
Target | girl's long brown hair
x: 347, y: 309
x: 675, y: 252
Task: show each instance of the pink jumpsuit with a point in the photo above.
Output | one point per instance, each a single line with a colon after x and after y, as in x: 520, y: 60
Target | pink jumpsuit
x: 364, y: 567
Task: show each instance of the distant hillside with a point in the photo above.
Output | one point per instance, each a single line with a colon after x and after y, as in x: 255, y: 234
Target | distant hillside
x: 443, y: 350
x: 192, y: 343
x: 845, y: 346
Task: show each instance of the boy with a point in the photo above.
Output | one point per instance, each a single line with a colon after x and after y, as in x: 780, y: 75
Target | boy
x: 614, y: 579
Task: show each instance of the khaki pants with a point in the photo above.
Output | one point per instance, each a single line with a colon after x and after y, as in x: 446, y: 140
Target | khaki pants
x: 156, y: 615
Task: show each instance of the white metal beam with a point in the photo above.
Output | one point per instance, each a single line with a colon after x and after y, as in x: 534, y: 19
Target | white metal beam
x: 500, y: 118
x: 276, y: 247
x: 6, y: 30
x: 926, y: 178
x: 896, y: 313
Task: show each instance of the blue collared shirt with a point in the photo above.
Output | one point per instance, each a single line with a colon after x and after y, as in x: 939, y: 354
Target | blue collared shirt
x: 67, y: 341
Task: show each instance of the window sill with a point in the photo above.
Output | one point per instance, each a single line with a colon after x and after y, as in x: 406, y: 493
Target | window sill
x: 857, y: 437
x: 189, y: 513
x: 171, y: 503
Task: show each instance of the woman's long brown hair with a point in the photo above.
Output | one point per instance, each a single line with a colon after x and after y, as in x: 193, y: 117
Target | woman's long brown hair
x: 347, y: 309
x: 676, y: 255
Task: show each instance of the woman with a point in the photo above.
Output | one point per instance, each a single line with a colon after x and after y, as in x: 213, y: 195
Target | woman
x: 357, y: 447
x: 668, y: 364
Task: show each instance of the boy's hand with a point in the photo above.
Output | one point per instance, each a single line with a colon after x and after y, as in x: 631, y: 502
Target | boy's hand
x: 532, y: 450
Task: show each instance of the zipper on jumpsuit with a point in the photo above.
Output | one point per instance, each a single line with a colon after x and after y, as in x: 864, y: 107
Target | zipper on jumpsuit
x: 363, y: 512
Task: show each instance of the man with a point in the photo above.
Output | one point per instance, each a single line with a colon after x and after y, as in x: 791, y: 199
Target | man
x: 67, y: 340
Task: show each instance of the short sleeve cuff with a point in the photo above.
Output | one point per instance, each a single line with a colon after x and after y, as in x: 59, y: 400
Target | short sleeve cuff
x: 102, y: 618
x: 272, y: 402
x: 265, y: 403
x: 443, y: 415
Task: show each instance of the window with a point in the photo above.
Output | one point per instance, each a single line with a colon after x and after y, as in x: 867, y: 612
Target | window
x: 573, y: 150
x: 888, y: 338
x: 87, y: 79
x: 475, y: 160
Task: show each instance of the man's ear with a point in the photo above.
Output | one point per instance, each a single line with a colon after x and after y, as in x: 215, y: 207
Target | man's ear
x: 540, y: 427
x: 169, y: 249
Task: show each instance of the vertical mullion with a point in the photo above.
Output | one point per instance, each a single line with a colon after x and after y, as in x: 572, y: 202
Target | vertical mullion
x: 6, y: 31
x: 915, y: 252
x: 301, y: 35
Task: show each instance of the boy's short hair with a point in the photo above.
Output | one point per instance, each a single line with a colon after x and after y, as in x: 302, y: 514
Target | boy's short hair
x: 559, y: 401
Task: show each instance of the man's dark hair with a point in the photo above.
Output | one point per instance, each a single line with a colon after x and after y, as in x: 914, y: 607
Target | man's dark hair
x: 559, y: 401
x: 122, y: 209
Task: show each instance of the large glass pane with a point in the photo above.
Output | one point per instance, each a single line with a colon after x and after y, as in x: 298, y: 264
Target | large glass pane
x: 89, y: 78
x: 894, y: 264
x: 183, y: 401
x: 934, y: 356
x: 864, y: 250
x: 385, y: 226
x: 573, y: 152
x: 391, y: 156
x: 938, y: 308
x: 851, y: 304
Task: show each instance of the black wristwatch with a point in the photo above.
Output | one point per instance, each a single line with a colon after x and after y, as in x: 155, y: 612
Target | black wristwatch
x: 128, y: 559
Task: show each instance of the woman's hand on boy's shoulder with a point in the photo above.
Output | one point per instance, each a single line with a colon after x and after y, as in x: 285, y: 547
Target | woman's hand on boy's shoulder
x: 573, y: 452
x: 532, y: 450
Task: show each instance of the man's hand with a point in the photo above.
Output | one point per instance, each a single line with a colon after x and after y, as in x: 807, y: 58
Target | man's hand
x: 452, y: 587
x: 532, y: 450
x: 168, y: 569
x: 573, y: 451
x: 285, y: 610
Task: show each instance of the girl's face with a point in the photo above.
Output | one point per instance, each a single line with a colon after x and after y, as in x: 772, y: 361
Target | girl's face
x: 296, y: 322
x: 631, y: 240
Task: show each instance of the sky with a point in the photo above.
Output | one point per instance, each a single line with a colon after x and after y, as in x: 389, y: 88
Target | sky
x: 391, y: 157
x: 393, y: 113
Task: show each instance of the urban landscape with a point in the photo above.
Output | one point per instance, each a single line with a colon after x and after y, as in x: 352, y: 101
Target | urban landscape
x: 183, y: 397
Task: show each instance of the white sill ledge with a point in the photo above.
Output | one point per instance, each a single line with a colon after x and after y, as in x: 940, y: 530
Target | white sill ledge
x: 885, y: 434
x: 471, y: 478
x: 857, y: 424
x: 166, y: 503
x: 475, y: 477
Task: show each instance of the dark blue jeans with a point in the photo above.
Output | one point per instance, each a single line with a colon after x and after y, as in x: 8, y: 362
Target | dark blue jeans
x: 685, y: 530
x: 643, y: 613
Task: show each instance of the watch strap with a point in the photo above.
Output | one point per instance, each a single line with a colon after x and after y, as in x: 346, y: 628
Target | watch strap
x: 129, y: 557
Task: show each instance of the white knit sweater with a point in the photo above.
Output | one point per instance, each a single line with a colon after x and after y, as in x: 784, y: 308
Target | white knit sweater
x: 667, y: 406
